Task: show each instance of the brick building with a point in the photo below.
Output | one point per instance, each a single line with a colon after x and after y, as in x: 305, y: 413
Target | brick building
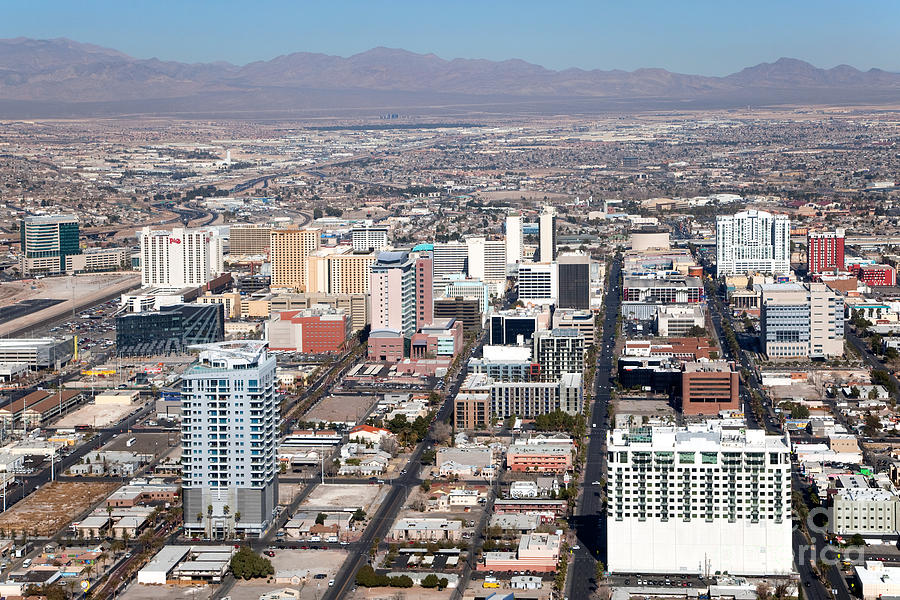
x: 709, y: 387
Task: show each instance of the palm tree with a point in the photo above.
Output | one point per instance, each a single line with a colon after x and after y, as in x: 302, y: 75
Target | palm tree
x: 147, y: 538
x: 109, y: 512
x: 87, y: 570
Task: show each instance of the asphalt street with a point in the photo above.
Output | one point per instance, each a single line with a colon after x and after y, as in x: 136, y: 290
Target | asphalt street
x: 589, y: 520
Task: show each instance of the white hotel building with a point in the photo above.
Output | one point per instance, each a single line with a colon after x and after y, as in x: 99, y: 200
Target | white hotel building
x: 180, y: 258
x: 752, y: 241
x: 229, y: 420
x: 700, y: 499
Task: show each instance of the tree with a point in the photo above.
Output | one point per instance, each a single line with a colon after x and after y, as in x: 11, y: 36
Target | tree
x: 883, y: 378
x: 403, y: 581
x: 388, y: 443
x: 426, y: 485
x: 358, y: 515
x: 763, y: 590
x: 428, y: 457
x: 317, y: 213
x: 441, y: 432
x: 320, y: 518
x: 872, y: 425
x: 367, y: 577
x: 431, y: 581
x: 798, y: 411
x: 857, y: 540
x: 246, y: 564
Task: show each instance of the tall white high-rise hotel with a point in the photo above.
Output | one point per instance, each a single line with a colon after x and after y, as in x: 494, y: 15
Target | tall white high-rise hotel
x: 181, y: 257
x: 752, y: 241
x: 229, y: 439
x: 700, y: 499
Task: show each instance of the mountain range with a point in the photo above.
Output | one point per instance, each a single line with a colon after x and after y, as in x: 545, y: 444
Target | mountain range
x: 62, y: 78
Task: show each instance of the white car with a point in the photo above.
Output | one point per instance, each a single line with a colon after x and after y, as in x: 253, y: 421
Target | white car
x: 596, y: 483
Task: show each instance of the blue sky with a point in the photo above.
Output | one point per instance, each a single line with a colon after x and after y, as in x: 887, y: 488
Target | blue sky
x: 688, y: 36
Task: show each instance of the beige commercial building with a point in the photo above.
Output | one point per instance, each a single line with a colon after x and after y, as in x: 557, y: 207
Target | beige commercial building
x: 249, y: 240
x: 355, y: 305
x: 231, y: 302
x: 340, y: 271
x: 290, y: 252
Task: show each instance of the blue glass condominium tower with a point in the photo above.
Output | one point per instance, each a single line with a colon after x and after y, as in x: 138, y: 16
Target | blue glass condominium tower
x: 229, y: 420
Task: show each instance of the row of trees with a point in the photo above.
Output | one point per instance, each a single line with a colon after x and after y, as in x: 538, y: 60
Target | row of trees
x: 409, y: 433
x: 559, y: 421
x: 367, y: 577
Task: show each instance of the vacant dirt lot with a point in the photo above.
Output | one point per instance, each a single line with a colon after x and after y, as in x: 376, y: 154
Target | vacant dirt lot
x: 338, y: 496
x: 96, y: 415
x: 52, y: 507
x: 343, y: 409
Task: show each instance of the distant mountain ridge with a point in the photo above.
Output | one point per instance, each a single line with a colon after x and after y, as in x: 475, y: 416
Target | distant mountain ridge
x: 73, y: 78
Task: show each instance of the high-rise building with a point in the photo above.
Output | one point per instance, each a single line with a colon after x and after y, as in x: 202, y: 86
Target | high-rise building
x: 290, y: 251
x: 515, y: 241
x: 703, y: 499
x: 339, y: 271
x: 181, y: 257
x: 424, y: 289
x: 574, y: 281
x: 538, y: 283
x: 249, y: 239
x: 450, y: 258
x: 825, y: 251
x: 393, y: 293
x: 47, y: 241
x: 752, y: 241
x: 369, y: 238
x: 487, y: 261
x: 801, y: 320
x: 229, y: 440
x: 547, y: 249
x: 559, y: 351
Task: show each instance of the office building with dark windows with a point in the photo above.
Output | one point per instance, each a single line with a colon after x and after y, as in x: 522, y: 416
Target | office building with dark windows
x: 170, y: 330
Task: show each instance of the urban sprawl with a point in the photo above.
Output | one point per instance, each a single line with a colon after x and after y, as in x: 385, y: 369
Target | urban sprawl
x: 648, y: 356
